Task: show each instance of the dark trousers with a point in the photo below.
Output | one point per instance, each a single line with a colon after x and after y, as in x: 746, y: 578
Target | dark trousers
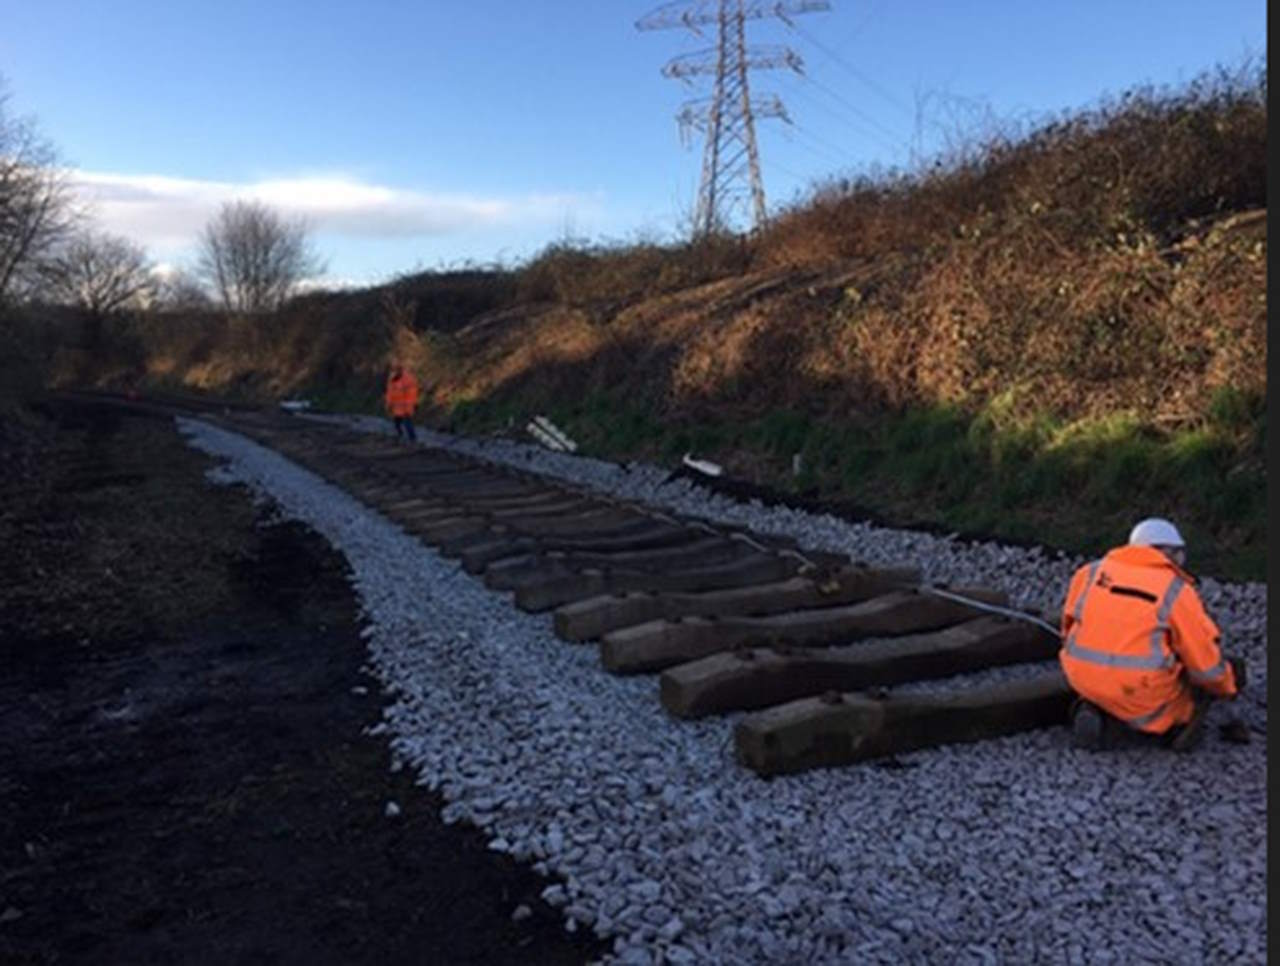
x: 404, y: 427
x: 1116, y: 734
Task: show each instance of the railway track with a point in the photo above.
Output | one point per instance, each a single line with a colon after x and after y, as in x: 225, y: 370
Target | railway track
x: 806, y: 642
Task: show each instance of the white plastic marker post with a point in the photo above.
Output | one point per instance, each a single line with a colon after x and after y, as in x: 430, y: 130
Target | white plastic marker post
x: 543, y: 437
x: 556, y: 433
x: 702, y: 466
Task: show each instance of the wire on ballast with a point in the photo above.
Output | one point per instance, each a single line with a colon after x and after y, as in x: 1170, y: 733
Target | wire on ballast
x: 808, y: 562
x: 754, y: 544
x: 989, y: 608
x: 922, y: 588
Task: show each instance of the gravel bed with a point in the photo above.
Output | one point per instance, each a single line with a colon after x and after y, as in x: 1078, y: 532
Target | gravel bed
x: 1021, y: 849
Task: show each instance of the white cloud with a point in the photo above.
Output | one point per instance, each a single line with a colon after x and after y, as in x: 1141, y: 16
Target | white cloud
x: 167, y: 214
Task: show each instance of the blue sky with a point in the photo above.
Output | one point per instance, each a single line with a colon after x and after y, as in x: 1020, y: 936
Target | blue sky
x: 430, y: 134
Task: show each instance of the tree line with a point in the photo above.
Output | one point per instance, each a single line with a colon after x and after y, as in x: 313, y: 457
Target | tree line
x: 250, y: 259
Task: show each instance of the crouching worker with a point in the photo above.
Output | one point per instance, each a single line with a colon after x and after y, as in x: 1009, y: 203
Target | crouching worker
x: 402, y: 400
x: 1136, y: 638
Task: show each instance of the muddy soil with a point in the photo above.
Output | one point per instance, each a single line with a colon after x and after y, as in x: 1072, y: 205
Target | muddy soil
x: 184, y: 775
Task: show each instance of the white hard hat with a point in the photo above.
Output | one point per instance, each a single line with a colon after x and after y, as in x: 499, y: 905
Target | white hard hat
x: 1155, y: 532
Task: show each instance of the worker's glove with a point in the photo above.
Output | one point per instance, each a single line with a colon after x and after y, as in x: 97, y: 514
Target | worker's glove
x: 1237, y: 668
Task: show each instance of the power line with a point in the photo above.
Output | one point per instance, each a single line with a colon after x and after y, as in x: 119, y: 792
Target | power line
x: 838, y: 114
x: 857, y: 74
x: 788, y: 171
x: 834, y: 149
x: 731, y: 157
x: 821, y: 156
x: 857, y: 111
x: 842, y: 115
x: 872, y: 10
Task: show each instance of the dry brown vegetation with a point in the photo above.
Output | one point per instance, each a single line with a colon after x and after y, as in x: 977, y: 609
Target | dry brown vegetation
x: 1114, y: 260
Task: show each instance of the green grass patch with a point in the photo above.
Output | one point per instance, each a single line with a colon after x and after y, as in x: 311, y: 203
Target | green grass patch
x: 343, y: 398
x: 1233, y: 410
x: 486, y: 415
x: 1077, y: 486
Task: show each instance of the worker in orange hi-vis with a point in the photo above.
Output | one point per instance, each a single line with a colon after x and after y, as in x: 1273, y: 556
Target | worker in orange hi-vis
x: 401, y: 400
x: 1136, y: 639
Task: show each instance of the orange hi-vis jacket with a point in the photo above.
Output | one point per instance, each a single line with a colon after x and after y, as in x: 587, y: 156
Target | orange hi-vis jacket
x: 1132, y: 624
x: 402, y: 394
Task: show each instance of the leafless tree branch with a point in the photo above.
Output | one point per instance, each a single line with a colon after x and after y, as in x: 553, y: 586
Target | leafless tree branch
x: 101, y: 273
x: 254, y: 258
x: 179, y: 290
x: 35, y: 200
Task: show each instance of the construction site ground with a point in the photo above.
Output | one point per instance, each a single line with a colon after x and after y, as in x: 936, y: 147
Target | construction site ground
x: 184, y: 770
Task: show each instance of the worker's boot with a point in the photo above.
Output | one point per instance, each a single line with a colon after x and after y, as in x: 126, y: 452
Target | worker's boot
x: 1188, y: 736
x: 1088, y: 726
x: 1238, y: 669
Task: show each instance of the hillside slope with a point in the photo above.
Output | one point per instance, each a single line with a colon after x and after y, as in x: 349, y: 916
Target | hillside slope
x: 1040, y: 337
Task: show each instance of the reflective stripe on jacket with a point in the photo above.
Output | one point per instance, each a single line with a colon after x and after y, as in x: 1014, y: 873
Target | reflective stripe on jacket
x: 1132, y: 624
x: 402, y: 394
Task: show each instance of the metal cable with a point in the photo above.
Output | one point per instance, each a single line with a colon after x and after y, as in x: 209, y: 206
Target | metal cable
x: 809, y: 562
x: 990, y: 608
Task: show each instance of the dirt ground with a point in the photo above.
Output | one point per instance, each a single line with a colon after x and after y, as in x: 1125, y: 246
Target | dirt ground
x: 183, y: 771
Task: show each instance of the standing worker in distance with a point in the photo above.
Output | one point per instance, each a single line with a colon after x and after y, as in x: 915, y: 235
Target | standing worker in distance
x: 1136, y: 637
x: 401, y: 400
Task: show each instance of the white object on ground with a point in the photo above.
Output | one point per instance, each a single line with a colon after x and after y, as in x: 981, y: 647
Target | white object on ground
x: 549, y: 435
x: 556, y: 433
x: 702, y: 466
x: 542, y: 436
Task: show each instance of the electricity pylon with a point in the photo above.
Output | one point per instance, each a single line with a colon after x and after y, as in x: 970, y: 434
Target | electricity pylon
x: 727, y: 119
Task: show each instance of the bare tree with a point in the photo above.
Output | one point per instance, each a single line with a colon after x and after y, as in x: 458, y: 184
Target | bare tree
x: 35, y: 199
x: 101, y: 273
x: 179, y: 290
x: 254, y: 258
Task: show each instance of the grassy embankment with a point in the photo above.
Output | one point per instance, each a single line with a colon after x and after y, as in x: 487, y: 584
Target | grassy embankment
x: 1042, y: 338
